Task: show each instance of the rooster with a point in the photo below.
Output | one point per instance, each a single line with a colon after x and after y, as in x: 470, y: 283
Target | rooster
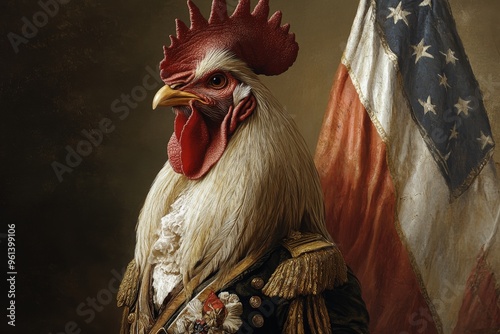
x: 238, y: 195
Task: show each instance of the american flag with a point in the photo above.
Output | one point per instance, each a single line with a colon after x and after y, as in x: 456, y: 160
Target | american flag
x: 441, y: 89
x: 404, y: 156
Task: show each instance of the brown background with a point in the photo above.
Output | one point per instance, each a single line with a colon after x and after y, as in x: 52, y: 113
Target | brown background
x: 73, y: 236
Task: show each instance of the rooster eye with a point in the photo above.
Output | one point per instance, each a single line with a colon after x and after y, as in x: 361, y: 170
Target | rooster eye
x: 217, y: 81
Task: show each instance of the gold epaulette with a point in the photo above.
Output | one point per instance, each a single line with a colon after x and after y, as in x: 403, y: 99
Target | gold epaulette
x: 129, y: 286
x: 316, y: 265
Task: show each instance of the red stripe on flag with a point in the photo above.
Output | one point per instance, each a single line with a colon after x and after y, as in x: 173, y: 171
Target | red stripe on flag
x: 360, y: 208
x: 480, y: 311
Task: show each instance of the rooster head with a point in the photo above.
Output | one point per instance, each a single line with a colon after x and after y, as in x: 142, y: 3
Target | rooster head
x: 203, y: 82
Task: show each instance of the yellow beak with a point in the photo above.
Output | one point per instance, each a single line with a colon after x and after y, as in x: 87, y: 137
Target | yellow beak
x: 167, y: 96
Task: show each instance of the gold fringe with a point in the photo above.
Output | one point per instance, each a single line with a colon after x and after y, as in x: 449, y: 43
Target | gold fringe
x: 129, y: 286
x: 295, y: 321
x: 309, y: 273
x: 317, y: 315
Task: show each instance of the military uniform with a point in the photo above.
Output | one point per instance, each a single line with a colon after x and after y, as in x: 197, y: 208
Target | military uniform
x: 301, y: 286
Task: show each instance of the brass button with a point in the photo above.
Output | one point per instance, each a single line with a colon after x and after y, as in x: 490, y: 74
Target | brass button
x: 258, y: 320
x: 131, y: 318
x: 257, y: 283
x: 255, y: 301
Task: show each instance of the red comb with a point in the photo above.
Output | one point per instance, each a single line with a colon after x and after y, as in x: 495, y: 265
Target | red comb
x: 264, y: 45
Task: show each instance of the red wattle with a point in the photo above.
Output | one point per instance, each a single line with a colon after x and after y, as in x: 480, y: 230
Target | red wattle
x: 195, y: 146
x: 174, y: 154
x: 174, y: 147
x: 189, y: 143
x: 194, y: 141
